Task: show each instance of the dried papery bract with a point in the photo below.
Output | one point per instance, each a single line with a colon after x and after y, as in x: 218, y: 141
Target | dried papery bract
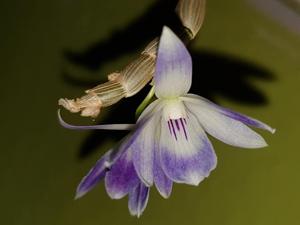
x: 137, y: 74
x: 120, y: 85
x: 191, y: 14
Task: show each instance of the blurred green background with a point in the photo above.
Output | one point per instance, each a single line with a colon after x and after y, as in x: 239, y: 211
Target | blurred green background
x: 250, y: 64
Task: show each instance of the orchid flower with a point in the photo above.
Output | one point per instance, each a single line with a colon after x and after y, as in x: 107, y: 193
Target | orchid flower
x: 169, y: 143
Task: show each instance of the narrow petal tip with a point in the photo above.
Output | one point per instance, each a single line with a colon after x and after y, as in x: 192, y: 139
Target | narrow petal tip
x: 263, y: 126
x: 79, y: 194
x: 138, y: 199
x: 273, y: 130
x: 261, y: 143
x: 164, y: 195
x: 94, y: 176
x: 94, y: 127
x: 195, y: 180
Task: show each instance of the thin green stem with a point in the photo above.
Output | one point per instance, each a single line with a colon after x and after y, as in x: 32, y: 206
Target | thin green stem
x: 144, y: 103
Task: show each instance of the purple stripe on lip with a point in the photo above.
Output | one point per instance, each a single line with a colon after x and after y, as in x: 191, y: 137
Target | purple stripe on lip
x: 173, y: 129
x: 183, y: 127
x: 177, y: 125
x: 169, y: 126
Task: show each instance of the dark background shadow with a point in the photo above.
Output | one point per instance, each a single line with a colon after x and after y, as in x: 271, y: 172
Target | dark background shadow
x: 214, y: 73
x: 229, y: 76
x: 130, y: 38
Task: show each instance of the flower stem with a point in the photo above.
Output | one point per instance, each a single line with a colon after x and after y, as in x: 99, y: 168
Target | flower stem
x: 144, y: 103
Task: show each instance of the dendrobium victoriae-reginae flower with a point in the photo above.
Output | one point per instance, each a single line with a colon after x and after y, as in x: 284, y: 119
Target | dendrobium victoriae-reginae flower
x: 169, y: 143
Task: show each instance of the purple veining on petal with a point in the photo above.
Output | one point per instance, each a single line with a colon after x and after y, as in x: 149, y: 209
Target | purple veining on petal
x: 121, y: 178
x: 173, y: 129
x: 183, y: 127
x: 138, y: 199
x: 177, y: 125
x: 190, y: 169
x: 170, y: 129
x: 94, y: 175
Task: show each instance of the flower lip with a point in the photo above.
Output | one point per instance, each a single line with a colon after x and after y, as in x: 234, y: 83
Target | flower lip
x: 175, y: 114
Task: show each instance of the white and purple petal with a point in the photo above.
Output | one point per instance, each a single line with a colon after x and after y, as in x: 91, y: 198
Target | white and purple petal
x: 162, y: 182
x: 95, y: 175
x: 145, y: 155
x: 186, y: 154
x: 121, y: 178
x: 246, y: 119
x: 173, y: 72
x: 224, y: 128
x: 234, y: 115
x: 138, y: 199
x: 144, y: 148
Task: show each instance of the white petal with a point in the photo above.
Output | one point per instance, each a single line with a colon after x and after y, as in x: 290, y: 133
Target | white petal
x: 173, y: 72
x: 143, y: 149
x: 94, y: 127
x: 224, y: 128
x: 196, y: 99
